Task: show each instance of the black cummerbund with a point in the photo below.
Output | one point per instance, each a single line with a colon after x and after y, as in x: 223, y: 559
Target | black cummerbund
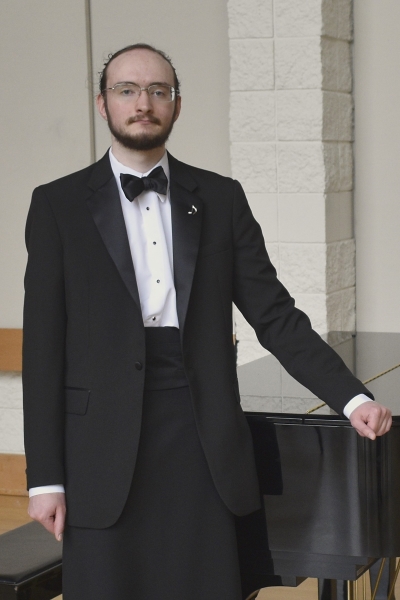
x: 164, y: 362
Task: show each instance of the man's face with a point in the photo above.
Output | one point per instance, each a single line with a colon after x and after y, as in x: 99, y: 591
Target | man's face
x: 140, y: 125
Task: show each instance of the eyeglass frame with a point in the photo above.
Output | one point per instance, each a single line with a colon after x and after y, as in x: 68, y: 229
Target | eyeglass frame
x: 173, y: 91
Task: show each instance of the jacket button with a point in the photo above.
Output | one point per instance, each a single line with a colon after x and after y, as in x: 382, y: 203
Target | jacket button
x: 138, y: 366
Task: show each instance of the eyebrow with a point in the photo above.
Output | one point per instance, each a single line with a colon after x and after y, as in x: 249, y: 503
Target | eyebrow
x: 152, y: 83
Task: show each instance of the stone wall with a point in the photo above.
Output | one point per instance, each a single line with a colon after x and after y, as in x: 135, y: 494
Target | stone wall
x: 291, y: 131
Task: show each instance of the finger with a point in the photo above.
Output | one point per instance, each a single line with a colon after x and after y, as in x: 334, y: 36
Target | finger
x: 363, y: 429
x: 385, y: 425
x: 379, y: 420
x: 373, y: 424
x: 389, y: 423
x: 48, y: 523
x: 59, y: 522
x: 42, y: 511
x: 42, y: 516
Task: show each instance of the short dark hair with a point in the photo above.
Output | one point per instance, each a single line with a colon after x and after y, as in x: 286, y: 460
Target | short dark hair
x: 103, y: 73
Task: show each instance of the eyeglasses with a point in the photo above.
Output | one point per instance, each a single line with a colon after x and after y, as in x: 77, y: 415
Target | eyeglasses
x: 158, y: 92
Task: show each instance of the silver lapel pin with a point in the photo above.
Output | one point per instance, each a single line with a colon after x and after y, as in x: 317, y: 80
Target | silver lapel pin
x: 193, y: 211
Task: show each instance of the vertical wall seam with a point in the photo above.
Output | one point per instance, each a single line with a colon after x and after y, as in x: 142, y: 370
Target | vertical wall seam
x: 90, y: 86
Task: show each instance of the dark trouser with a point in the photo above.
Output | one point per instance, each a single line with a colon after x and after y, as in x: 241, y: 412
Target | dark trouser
x: 175, y: 538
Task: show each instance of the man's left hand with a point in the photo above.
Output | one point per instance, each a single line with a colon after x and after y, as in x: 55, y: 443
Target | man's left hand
x: 371, y: 419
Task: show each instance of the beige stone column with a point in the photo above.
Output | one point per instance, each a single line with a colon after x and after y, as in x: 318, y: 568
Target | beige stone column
x: 291, y: 132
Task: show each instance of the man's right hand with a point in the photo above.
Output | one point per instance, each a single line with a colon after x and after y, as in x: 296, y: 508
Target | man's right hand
x: 49, y: 510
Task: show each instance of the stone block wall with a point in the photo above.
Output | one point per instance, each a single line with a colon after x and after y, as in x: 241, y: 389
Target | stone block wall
x: 291, y: 131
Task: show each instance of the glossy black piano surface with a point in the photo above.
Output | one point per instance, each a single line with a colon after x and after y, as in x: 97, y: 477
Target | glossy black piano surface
x: 331, y: 498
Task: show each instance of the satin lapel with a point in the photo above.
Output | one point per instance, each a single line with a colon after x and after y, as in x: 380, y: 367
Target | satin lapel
x: 187, y: 212
x: 105, y: 206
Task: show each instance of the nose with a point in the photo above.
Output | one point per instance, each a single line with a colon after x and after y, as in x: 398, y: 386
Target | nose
x: 143, y: 103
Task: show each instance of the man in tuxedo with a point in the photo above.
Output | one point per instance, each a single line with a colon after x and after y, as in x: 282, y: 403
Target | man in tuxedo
x: 132, y: 408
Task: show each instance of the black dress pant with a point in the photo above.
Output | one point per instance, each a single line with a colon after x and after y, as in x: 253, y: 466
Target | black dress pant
x: 175, y: 539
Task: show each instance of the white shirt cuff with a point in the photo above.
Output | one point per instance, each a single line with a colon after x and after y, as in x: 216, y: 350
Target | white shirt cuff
x: 354, y: 402
x: 46, y: 489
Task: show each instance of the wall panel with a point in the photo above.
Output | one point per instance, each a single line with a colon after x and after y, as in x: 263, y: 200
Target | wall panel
x: 377, y: 156
x: 44, y: 120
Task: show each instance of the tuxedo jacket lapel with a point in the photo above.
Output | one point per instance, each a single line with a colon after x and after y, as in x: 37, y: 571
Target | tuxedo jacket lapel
x: 186, y: 214
x: 105, y: 207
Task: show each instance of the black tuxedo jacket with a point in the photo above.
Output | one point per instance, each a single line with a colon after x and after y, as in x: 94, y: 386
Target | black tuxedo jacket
x: 84, y: 343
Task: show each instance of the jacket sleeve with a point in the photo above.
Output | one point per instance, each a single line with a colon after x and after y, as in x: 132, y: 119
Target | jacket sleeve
x: 43, y: 346
x: 280, y: 327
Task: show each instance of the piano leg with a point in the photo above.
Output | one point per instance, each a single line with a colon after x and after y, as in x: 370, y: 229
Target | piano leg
x: 327, y: 589
x: 386, y: 579
x: 332, y: 589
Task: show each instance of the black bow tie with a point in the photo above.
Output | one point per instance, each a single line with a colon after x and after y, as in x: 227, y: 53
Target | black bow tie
x: 133, y: 186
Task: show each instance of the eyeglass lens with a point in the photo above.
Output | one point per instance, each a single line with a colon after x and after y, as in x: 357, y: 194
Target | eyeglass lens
x: 131, y: 91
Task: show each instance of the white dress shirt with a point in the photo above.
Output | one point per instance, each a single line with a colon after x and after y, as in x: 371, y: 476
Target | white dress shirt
x: 149, y: 228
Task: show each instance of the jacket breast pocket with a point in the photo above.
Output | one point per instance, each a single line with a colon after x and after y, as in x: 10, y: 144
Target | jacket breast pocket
x: 76, y: 401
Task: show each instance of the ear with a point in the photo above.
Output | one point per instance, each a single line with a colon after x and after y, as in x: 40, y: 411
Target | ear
x: 178, y: 107
x: 101, y: 107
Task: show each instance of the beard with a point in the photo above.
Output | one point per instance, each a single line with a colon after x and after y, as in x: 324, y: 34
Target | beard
x: 141, y: 141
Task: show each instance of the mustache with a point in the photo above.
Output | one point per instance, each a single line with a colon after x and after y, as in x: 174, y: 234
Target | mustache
x: 137, y: 118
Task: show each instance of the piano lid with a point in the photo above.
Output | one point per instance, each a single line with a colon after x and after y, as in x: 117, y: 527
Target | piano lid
x: 265, y: 386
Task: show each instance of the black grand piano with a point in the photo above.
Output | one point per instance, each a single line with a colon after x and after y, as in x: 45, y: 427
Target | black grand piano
x: 331, y: 499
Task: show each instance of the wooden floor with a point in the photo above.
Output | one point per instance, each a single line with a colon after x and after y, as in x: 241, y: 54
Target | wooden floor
x: 13, y: 513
